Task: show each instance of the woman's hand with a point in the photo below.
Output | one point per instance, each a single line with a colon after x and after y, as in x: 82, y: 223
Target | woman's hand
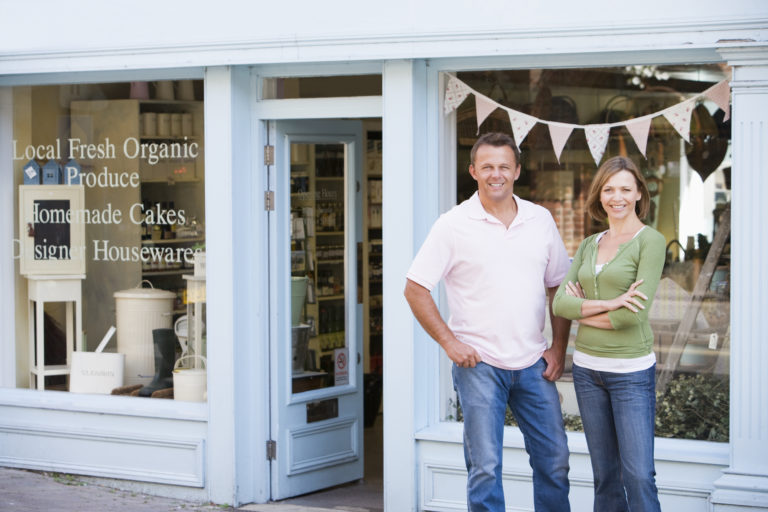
x: 574, y: 290
x: 629, y: 299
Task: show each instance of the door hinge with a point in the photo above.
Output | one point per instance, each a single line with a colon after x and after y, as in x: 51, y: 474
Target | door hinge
x: 271, y: 450
x: 269, y: 200
x: 269, y: 155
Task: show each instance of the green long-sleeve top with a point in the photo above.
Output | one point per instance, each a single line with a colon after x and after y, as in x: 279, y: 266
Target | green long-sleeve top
x: 639, y: 258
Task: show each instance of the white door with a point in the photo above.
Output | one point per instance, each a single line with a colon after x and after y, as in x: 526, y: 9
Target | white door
x: 315, y: 362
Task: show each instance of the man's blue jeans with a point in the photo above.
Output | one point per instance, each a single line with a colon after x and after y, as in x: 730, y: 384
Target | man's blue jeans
x: 484, y: 392
x: 618, y: 412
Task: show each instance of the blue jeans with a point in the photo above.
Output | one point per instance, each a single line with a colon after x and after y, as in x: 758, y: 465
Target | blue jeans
x: 618, y: 411
x: 484, y: 392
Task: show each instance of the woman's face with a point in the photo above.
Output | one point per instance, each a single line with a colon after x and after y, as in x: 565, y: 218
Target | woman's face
x: 619, y: 196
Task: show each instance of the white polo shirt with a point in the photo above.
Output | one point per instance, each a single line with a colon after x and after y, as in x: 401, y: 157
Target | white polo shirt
x: 495, y: 278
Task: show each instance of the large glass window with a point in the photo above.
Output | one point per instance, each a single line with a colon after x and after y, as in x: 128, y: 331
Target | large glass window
x: 110, y: 245
x: 690, y: 189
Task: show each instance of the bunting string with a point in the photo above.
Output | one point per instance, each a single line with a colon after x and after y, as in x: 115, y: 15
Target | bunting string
x: 679, y: 116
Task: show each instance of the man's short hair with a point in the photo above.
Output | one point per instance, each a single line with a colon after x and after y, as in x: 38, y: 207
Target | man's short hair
x: 496, y: 139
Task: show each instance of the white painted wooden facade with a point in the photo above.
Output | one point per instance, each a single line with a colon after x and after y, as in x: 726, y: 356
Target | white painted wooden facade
x: 216, y: 450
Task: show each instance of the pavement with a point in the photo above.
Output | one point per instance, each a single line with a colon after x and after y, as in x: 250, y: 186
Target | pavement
x: 39, y: 491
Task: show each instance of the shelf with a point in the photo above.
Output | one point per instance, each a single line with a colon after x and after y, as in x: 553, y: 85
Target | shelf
x: 330, y: 262
x: 330, y: 297
x: 173, y: 241
x: 329, y: 178
x: 52, y: 369
x: 328, y: 233
x: 174, y: 138
x: 175, y: 272
x: 172, y: 181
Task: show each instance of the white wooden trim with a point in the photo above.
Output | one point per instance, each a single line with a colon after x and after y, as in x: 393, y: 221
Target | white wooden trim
x: 403, y: 155
x: 744, y: 483
x: 7, y: 263
x: 320, y: 69
x: 90, y: 76
x: 457, y: 35
x: 220, y: 161
x: 320, y: 108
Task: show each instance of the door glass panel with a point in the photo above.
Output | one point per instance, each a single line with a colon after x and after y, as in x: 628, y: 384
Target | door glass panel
x: 318, y: 267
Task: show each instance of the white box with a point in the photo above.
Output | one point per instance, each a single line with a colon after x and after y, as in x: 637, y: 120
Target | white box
x: 96, y: 372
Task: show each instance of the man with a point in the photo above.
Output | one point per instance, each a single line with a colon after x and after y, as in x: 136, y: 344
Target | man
x: 498, y: 254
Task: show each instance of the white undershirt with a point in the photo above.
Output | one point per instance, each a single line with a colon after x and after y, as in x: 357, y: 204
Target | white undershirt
x: 613, y: 364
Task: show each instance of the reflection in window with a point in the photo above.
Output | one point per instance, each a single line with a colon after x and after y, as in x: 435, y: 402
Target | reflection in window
x: 131, y: 157
x: 691, y: 194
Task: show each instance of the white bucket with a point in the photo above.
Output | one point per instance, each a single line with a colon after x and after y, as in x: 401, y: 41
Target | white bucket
x: 139, y: 312
x: 96, y: 372
x: 190, y: 384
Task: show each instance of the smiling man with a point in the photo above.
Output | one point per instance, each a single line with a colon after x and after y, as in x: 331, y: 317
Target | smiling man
x: 502, y: 259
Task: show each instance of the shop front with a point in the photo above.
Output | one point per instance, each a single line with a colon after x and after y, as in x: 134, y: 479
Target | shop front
x: 204, y: 264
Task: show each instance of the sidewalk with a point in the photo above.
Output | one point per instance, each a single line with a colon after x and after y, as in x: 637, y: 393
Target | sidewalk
x: 34, y: 491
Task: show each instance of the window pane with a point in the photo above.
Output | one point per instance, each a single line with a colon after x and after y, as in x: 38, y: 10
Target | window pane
x: 690, y: 189
x: 110, y: 180
x: 321, y: 87
x: 318, y: 264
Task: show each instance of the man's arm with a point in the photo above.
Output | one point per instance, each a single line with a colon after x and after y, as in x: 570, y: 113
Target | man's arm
x: 426, y: 312
x: 555, y: 355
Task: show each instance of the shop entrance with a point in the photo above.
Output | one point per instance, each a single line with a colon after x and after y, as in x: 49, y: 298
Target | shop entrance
x: 320, y: 282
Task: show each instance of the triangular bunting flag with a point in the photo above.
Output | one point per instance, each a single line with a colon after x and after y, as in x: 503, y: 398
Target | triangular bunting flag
x: 559, y: 132
x: 483, y: 108
x: 597, y: 139
x: 721, y: 95
x: 455, y: 93
x: 521, y: 125
x: 680, y: 118
x: 639, y: 129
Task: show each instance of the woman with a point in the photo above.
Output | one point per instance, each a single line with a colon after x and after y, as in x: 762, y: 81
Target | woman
x: 608, y: 290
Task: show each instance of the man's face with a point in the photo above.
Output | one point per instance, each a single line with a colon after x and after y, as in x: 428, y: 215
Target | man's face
x: 495, y: 170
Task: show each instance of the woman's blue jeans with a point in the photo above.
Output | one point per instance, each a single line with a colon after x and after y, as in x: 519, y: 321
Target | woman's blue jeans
x: 484, y: 392
x: 618, y: 411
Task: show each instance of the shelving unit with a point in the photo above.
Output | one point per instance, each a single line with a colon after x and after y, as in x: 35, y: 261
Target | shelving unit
x: 372, y: 251
x: 170, y: 164
x: 317, y: 240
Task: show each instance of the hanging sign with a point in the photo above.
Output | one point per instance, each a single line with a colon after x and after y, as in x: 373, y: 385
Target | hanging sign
x: 341, y: 367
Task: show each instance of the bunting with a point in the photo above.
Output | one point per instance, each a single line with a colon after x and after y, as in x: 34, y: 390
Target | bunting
x: 559, y: 132
x: 483, y: 108
x: 638, y: 129
x: 721, y: 95
x: 678, y: 115
x: 455, y: 94
x: 597, y: 140
x: 521, y: 125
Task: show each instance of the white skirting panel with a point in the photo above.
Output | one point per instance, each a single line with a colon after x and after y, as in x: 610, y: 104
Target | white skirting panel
x: 683, y: 486
x: 158, y: 450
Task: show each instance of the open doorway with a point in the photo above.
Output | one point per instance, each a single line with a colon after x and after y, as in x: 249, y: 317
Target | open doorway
x: 333, y: 226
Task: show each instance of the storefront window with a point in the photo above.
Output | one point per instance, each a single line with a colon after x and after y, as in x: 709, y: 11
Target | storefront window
x: 690, y: 189
x: 110, y: 246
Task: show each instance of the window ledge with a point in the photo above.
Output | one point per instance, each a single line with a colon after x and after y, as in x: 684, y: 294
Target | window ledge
x: 678, y: 450
x: 104, y: 404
